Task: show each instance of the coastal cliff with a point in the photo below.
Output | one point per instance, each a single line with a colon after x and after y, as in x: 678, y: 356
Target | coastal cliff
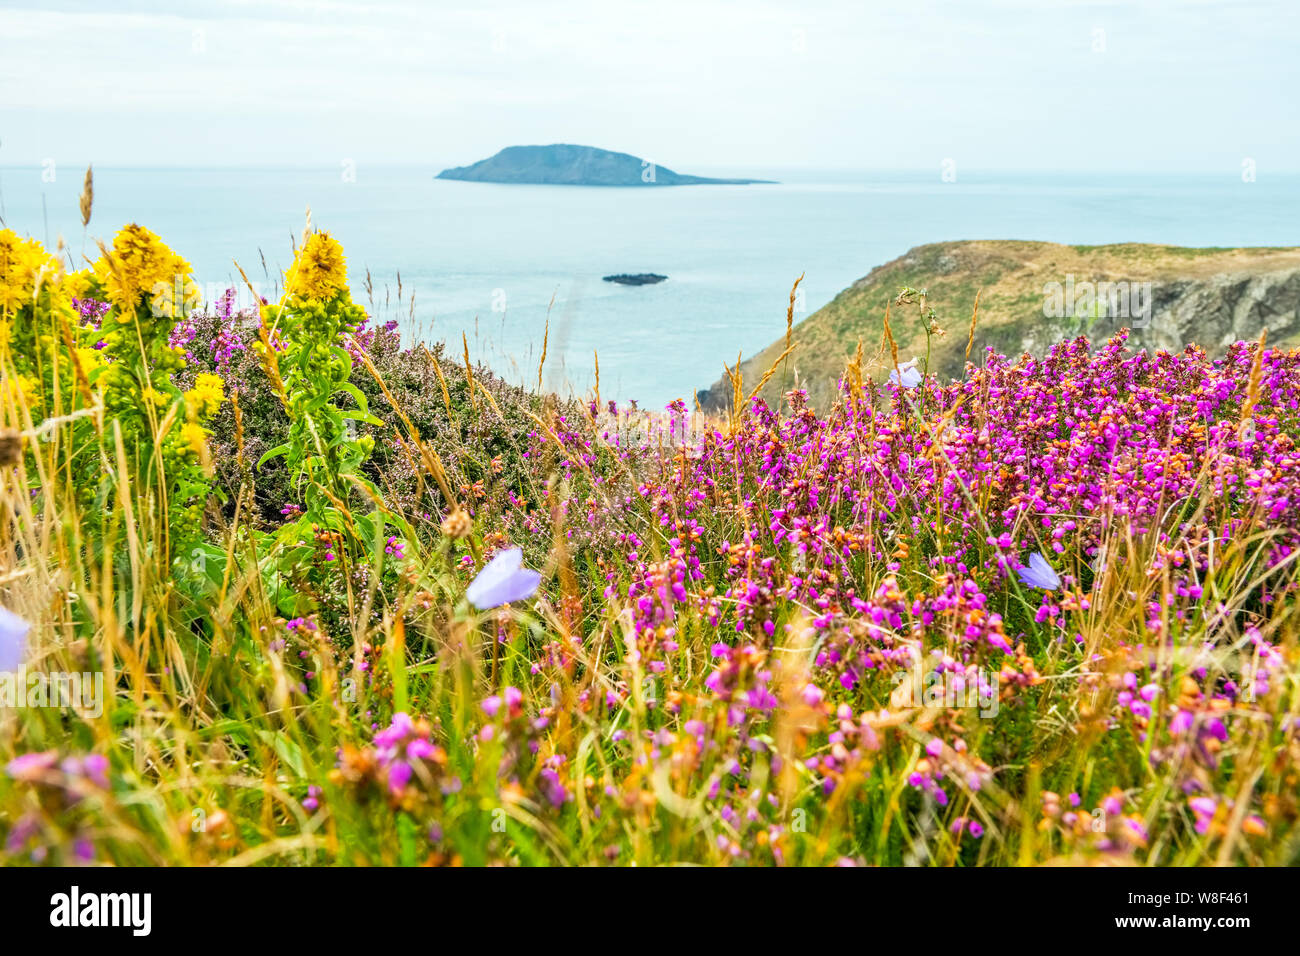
x: 1032, y: 295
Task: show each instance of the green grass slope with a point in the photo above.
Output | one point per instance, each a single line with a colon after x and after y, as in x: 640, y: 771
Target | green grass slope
x: 1210, y: 296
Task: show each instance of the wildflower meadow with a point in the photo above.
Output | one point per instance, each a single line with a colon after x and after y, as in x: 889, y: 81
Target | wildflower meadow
x: 353, y: 600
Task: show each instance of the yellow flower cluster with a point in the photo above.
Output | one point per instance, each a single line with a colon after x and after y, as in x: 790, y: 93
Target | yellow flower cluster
x: 202, y: 401
x: 23, y: 262
x: 77, y: 285
x: 206, y: 395
x: 23, y: 389
x: 319, y: 270
x: 195, y: 438
x: 139, y: 265
x: 89, y: 358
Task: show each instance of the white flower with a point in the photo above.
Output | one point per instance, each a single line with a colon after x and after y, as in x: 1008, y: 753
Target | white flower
x: 1039, y: 573
x: 503, y: 581
x: 13, y: 640
x: 907, y: 374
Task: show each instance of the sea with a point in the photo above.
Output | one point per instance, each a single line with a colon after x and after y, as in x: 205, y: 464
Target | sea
x: 503, y: 269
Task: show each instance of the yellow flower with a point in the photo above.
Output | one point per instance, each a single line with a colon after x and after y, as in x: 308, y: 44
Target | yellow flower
x: 24, y: 388
x: 206, y: 395
x: 89, y: 358
x: 319, y: 270
x: 77, y: 284
x: 152, y: 394
x: 195, y: 437
x: 23, y: 262
x: 140, y: 264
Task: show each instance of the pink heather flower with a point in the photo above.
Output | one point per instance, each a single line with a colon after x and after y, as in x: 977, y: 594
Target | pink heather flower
x: 401, y: 728
x: 1039, y: 573
x: 94, y: 767
x: 420, y: 749
x: 1214, y: 728
x: 935, y: 747
x: 13, y: 640
x: 502, y: 581
x: 30, y: 767
x: 1204, y: 809
x: 399, y: 775
x: 812, y: 695
x: 1181, y: 723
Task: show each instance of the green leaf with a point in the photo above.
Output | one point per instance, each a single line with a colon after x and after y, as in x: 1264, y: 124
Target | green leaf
x: 359, y: 416
x: 286, y: 750
x: 365, y: 527
x: 275, y: 452
x: 357, y: 395
x: 406, y: 839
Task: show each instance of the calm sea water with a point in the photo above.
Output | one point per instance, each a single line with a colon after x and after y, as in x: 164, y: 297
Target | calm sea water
x: 490, y: 261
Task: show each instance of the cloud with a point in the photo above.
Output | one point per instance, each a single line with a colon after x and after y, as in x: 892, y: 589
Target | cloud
x: 1009, y: 83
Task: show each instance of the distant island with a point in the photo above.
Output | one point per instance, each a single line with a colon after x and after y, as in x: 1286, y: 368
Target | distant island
x: 564, y: 165
x: 640, y: 278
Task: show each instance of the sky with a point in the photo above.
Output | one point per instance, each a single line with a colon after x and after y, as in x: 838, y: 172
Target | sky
x: 1162, y: 86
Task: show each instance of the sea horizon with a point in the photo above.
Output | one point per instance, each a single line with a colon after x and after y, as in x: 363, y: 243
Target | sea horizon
x: 508, y: 266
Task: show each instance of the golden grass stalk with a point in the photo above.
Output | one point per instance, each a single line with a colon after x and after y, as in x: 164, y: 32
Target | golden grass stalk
x: 974, y: 318
x: 469, y: 372
x: 771, y: 370
x: 1256, y: 373
x: 893, y: 346
x: 270, y: 362
x: 442, y: 381
x: 79, y: 372
x: 87, y: 202
x: 432, y: 462
x: 853, y: 373
x: 240, y: 460
x: 546, y: 334
x: 789, y: 312
x: 736, y: 391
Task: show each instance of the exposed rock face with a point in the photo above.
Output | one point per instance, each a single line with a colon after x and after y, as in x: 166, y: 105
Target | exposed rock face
x: 1213, y: 312
x: 562, y: 164
x: 1031, y: 296
x: 1224, y: 309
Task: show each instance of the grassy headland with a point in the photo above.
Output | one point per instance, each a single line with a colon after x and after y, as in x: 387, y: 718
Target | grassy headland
x: 1212, y: 297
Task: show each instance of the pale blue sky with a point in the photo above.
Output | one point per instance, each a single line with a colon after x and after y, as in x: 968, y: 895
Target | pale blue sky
x: 1155, y: 86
